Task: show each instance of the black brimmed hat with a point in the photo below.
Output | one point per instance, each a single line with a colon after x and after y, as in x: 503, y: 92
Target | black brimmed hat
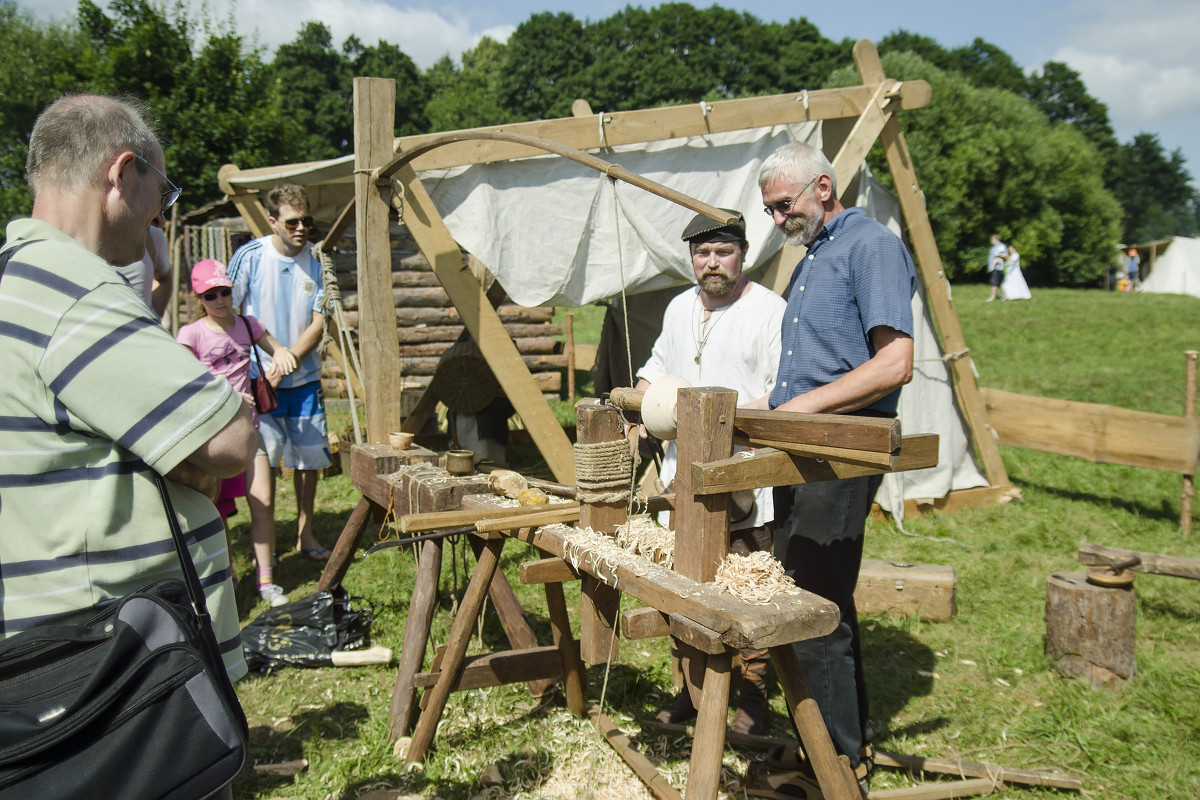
x: 705, y: 229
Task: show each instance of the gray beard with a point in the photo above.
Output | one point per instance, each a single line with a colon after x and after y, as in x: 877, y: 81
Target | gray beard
x: 800, y: 231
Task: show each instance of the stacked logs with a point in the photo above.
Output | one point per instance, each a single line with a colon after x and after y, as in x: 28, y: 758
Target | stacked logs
x: 428, y: 324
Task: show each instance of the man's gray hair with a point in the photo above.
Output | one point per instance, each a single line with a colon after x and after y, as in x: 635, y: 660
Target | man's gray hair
x: 796, y: 163
x: 77, y: 134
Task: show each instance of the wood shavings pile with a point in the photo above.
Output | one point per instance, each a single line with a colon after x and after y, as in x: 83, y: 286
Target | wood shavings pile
x: 644, y: 537
x: 606, y: 554
x: 755, y: 578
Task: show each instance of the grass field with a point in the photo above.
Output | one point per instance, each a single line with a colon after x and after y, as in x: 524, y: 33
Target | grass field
x: 978, y: 687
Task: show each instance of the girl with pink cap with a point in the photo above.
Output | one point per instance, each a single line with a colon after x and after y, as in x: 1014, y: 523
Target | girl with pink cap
x: 224, y: 342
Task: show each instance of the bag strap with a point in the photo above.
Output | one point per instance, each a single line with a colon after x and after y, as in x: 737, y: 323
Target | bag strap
x: 257, y: 358
x: 191, y: 577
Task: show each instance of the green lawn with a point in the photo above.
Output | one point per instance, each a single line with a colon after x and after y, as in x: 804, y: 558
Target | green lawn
x: 978, y: 687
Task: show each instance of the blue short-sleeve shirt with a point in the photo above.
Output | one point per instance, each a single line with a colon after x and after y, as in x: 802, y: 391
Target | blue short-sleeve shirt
x: 856, y: 275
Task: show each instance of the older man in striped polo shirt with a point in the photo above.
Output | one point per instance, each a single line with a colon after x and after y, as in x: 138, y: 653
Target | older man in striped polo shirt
x: 97, y: 395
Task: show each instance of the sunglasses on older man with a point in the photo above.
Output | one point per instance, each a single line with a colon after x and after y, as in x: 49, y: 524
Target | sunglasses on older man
x: 296, y: 222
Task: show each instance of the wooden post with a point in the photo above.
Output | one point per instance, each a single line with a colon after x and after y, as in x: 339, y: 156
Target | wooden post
x: 374, y: 129
x: 1189, y: 411
x: 599, y: 604
x: 574, y: 677
x: 570, y: 358
x: 702, y: 521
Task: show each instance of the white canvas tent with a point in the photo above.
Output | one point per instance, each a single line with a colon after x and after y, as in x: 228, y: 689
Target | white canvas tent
x: 556, y: 233
x: 1176, y: 267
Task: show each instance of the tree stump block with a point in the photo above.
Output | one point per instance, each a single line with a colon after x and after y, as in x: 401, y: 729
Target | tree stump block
x: 1090, y: 629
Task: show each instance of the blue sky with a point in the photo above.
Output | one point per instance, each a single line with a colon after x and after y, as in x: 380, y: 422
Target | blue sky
x: 1139, y: 58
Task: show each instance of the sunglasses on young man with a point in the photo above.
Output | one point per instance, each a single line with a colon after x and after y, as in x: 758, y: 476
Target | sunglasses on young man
x: 215, y: 293
x: 296, y: 222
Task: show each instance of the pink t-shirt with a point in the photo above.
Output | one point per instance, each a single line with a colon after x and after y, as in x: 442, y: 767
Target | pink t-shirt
x: 226, y: 355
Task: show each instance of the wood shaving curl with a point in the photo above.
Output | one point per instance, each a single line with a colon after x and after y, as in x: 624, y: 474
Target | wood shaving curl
x: 755, y: 578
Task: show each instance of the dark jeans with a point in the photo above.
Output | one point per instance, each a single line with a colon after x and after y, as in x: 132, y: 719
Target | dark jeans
x: 819, y: 540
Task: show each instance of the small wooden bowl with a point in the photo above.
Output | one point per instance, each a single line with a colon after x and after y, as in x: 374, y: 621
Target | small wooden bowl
x: 400, y: 440
x: 1103, y: 576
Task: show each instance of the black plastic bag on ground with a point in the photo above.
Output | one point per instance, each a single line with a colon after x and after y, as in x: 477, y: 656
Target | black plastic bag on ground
x: 305, y: 632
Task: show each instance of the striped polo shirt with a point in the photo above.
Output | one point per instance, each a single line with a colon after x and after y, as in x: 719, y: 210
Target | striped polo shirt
x: 96, y: 394
x: 283, y: 293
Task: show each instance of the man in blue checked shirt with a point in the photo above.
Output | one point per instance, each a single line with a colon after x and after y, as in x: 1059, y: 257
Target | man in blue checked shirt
x: 847, y: 348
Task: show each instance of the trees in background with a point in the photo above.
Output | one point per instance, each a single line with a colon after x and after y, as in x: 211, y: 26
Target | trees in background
x: 989, y: 161
x: 1033, y: 156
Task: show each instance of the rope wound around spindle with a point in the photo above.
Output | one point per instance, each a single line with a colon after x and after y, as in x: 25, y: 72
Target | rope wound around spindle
x: 603, y: 471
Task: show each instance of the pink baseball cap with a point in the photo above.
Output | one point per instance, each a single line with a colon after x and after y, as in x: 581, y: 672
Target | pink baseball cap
x: 209, y: 274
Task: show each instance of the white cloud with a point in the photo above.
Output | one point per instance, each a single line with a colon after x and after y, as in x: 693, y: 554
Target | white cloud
x: 1138, y: 58
x: 424, y: 35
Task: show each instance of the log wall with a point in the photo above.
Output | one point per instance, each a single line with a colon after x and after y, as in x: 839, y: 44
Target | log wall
x: 427, y: 324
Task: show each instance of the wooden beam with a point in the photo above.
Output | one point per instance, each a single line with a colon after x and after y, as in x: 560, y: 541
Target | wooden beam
x: 951, y: 766
x: 929, y: 268
x: 244, y: 200
x: 641, y: 765
x: 788, y: 618
x: 770, y: 467
x: 1096, y: 432
x: 1152, y: 563
x: 943, y: 790
x: 644, y: 623
x: 865, y: 458
x: 624, y: 127
x: 875, y: 434
x: 546, y: 570
x: 499, y: 669
x: 466, y: 292
x: 374, y: 125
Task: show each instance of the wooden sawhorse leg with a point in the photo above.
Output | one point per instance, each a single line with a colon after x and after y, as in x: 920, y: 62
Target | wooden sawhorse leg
x: 574, y: 677
x: 833, y: 772
x: 347, y: 543
x: 416, y: 636
x: 512, y: 618
x: 456, y: 648
x: 708, y: 745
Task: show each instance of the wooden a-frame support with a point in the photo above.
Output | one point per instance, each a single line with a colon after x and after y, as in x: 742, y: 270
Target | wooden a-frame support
x: 871, y: 107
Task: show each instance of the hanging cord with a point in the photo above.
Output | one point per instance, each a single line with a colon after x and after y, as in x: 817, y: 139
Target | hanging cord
x: 333, y: 302
x: 635, y: 498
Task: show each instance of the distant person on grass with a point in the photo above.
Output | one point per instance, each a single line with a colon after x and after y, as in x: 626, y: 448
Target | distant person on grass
x: 996, y: 256
x: 277, y: 279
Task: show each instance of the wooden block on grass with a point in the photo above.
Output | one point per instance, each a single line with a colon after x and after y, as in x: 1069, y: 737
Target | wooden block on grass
x: 927, y: 591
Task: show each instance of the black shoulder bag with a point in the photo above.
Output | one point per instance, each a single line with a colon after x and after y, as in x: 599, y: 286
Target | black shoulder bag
x: 133, y: 703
